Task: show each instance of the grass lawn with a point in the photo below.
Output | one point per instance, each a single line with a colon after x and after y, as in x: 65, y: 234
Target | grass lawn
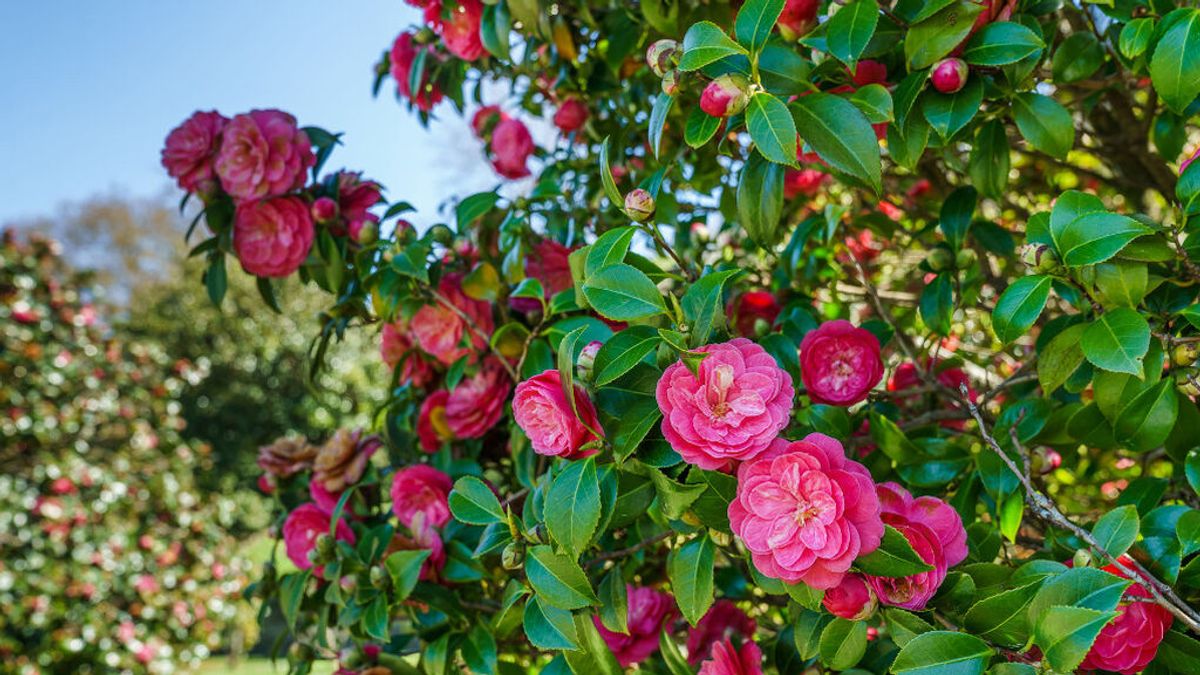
x: 257, y: 666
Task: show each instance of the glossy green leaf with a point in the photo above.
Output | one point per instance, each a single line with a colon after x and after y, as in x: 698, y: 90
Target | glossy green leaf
x: 549, y: 627
x: 1000, y: 43
x: 1065, y: 634
x: 623, y: 293
x: 705, y: 43
x: 840, y: 135
x: 690, y: 569
x: 1175, y: 66
x: 933, y: 38
x: 895, y: 557
x: 1117, y: 341
x: 472, y: 501
x: 772, y: 128
x: 1044, y: 123
x: 850, y: 29
x: 754, y: 22
x: 573, y: 506
x: 943, y: 653
x: 842, y: 644
x: 1020, y: 306
x: 1117, y: 530
x: 557, y: 579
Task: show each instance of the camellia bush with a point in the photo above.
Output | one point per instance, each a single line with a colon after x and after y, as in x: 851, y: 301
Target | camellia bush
x: 836, y: 336
x: 110, y: 559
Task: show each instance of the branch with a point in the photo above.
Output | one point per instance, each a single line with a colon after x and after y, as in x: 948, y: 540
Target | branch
x: 621, y: 553
x: 470, y: 323
x: 1046, y: 510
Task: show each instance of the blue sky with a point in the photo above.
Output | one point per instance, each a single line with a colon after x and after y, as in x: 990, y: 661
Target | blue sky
x: 90, y: 89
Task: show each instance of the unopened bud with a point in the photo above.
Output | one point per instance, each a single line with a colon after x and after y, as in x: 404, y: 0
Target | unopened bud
x: 940, y: 259
x: 727, y: 95
x: 513, y: 556
x: 965, y: 259
x: 949, y: 75
x: 1082, y: 558
x: 1186, y: 382
x: 379, y: 578
x: 364, y: 232
x: 670, y: 83
x: 441, y: 234
x: 639, y: 205
x: 587, y: 360
x: 324, y: 210
x: 1185, y: 354
x: 1039, y: 258
x: 324, y: 546
x: 661, y: 56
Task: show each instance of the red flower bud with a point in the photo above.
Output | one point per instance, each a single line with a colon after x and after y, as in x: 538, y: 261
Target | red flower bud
x: 324, y: 210
x: 661, y: 56
x: 949, y: 75
x: 727, y: 95
x: 639, y: 205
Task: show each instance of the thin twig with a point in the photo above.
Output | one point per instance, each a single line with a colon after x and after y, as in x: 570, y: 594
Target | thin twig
x: 1046, y: 510
x: 470, y: 323
x: 621, y: 553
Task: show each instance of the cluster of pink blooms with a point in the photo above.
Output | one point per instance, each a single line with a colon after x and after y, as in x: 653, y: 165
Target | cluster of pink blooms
x: 506, y: 140
x: 261, y: 160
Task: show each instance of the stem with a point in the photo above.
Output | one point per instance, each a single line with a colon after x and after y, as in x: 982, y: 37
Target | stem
x: 1046, y: 510
x: 470, y: 323
x: 621, y: 553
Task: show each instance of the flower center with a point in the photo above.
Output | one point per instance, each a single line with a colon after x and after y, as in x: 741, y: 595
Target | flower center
x: 718, y: 387
x: 806, y: 511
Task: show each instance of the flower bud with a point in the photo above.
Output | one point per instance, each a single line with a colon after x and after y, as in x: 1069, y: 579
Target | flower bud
x: 949, y: 75
x: 661, y: 56
x: 1185, y: 354
x: 1186, y: 384
x: 405, y: 232
x: 940, y: 259
x: 324, y: 547
x: 1039, y: 258
x: 324, y: 210
x: 1082, y: 558
x: 670, y: 83
x: 727, y: 95
x: 366, y: 232
x: 587, y: 360
x: 965, y: 259
x: 441, y: 234
x: 379, y: 578
x: 513, y: 556
x: 639, y: 205
x: 348, y: 583
x: 852, y: 599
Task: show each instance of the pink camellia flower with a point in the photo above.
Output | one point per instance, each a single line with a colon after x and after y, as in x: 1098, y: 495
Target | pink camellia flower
x: 477, y: 402
x: 1129, y: 642
x: 726, y: 660
x: 571, y: 115
x: 722, y: 621
x: 432, y: 429
x: 936, y: 533
x: 421, y: 492
x: 190, y: 149
x: 648, y: 611
x: 396, y: 345
x: 511, y: 147
x: 263, y: 153
x: 806, y: 182
x: 806, y: 512
x: 840, y: 363
x: 324, y: 499
x: 485, y: 120
x: 301, y: 529
x: 404, y: 53
x: 863, y: 246
x: 852, y: 599
x: 272, y: 237
x: 798, y: 17
x: 548, y: 263
x: 746, y: 309
x: 356, y: 197
x: 439, y: 330
x: 739, y: 403
x: 541, y: 409
x: 458, y: 26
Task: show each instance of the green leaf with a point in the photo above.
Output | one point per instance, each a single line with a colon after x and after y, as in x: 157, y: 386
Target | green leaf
x: 494, y: 30
x: 1117, y: 341
x: 479, y: 650
x: 1135, y: 37
x: 436, y: 655
x: 1095, y: 237
x: 840, y: 135
x: 573, y: 506
x: 705, y: 43
x: 703, y: 303
x: 1175, y: 66
x: 658, y: 119
x: 291, y: 595
x: 933, y: 38
x: 1122, y: 283
x: 850, y: 29
x: 1187, y: 529
x: 700, y: 127
x: 754, y: 22
x: 1001, y: 43
x: 1070, y: 206
x: 614, y: 602
x: 955, y: 218
x: 1065, y: 634
x: 1020, y: 306
x: 549, y: 627
x: 1078, y: 587
x: 895, y: 557
x: 760, y: 199
x: 937, y: 304
x: 606, y: 177
x: 1148, y: 418
x: 907, y: 141
x: 947, y: 114
x: 215, y: 279
x: 903, y: 625
x: 690, y: 569
x: 771, y: 128
x: 623, y: 351
x: 1002, y: 618
x: 1044, y: 123
x: 1077, y: 58
x: 558, y: 580
x: 943, y: 653
x: 623, y: 293
x: 608, y: 249
x: 672, y: 657
x: 1117, y: 530
x: 989, y: 161
x: 376, y: 621
x: 473, y: 502
x: 595, y: 658
x: 474, y: 207
x: 842, y: 644
x: 875, y: 103
x: 404, y: 567
x: 1060, y: 359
